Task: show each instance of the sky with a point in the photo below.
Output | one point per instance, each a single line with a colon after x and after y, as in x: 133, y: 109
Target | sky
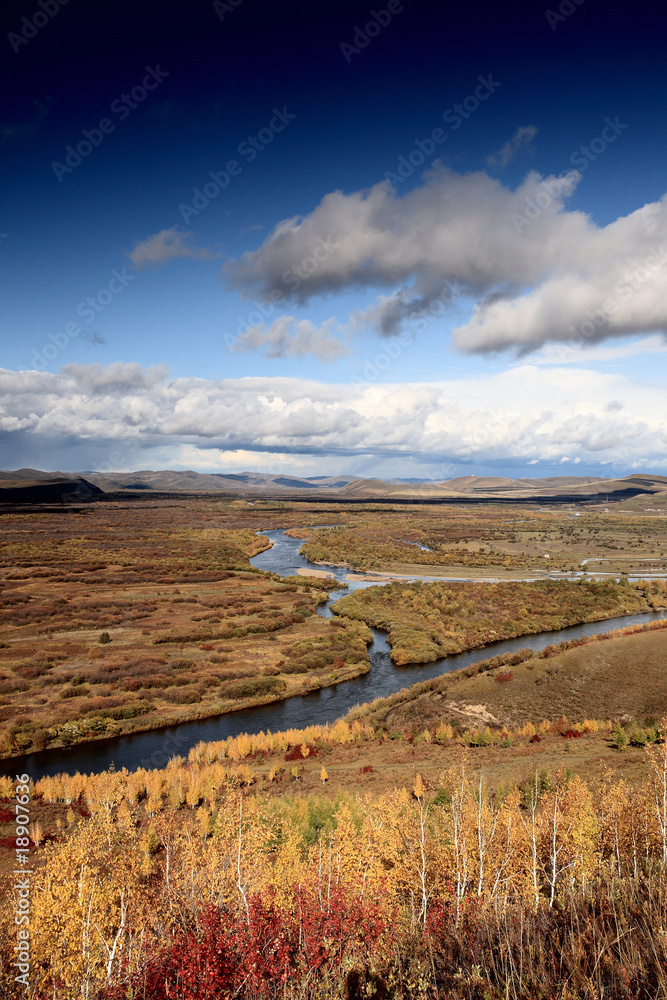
x: 416, y: 239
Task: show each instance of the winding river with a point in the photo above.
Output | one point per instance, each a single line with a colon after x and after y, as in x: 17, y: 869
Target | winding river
x: 156, y: 747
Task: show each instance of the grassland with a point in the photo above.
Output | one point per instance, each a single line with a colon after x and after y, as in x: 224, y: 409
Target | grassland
x: 194, y: 631
x: 425, y: 621
x: 496, y: 834
x: 618, y: 675
x: 134, y: 615
x: 498, y: 541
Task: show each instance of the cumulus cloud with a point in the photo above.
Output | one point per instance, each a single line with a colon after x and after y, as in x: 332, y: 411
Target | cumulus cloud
x: 288, y: 337
x: 539, y: 273
x: 520, y: 142
x: 525, y: 413
x: 165, y: 246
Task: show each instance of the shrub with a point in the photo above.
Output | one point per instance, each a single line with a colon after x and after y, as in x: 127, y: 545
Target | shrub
x: 251, y: 687
x: 75, y: 691
x: 182, y: 695
x: 503, y: 676
x: 620, y: 738
x: 181, y: 663
x: 7, y: 687
x: 297, y: 752
x: 104, y: 637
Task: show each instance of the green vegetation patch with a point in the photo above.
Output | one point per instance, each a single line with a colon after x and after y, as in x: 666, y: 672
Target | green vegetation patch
x: 428, y: 621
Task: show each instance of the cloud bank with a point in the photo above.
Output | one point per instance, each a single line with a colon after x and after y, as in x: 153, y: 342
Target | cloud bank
x: 539, y: 273
x: 86, y: 413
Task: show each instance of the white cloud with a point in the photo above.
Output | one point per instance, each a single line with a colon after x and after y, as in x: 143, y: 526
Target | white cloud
x: 539, y: 272
x: 525, y: 414
x: 165, y: 246
x: 521, y: 141
x: 289, y: 337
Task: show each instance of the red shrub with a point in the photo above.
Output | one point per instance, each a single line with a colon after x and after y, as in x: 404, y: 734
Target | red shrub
x: 294, y: 753
x: 504, y: 675
x: 254, y: 954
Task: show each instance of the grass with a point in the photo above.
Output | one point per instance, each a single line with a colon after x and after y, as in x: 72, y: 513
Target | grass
x: 501, y: 541
x: 428, y: 621
x: 136, y: 615
x: 619, y: 677
x: 190, y: 624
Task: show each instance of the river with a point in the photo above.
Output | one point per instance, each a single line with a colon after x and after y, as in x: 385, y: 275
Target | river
x: 156, y: 747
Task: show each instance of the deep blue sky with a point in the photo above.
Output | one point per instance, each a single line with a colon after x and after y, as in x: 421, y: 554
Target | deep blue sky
x: 561, y: 77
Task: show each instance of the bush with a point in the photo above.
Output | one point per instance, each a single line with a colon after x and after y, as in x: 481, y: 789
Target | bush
x: 75, y: 691
x: 251, y: 687
x: 620, y: 738
x: 182, y: 695
x: 104, y: 637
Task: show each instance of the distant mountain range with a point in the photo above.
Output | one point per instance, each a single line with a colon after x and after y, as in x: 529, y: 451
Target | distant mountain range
x: 498, y: 487
x: 35, y: 486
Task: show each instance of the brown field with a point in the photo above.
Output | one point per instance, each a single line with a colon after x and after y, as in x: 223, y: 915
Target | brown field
x: 472, y: 542
x: 619, y: 678
x: 193, y: 630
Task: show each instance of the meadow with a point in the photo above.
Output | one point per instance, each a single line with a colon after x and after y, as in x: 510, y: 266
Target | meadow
x: 500, y: 541
x: 135, y: 615
x: 140, y: 611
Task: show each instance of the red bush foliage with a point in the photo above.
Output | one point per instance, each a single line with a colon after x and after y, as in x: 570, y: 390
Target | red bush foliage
x: 504, y: 675
x: 252, y: 954
x: 294, y: 753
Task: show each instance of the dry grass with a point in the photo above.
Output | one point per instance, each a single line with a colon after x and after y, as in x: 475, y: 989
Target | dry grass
x: 623, y: 678
x: 193, y: 630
